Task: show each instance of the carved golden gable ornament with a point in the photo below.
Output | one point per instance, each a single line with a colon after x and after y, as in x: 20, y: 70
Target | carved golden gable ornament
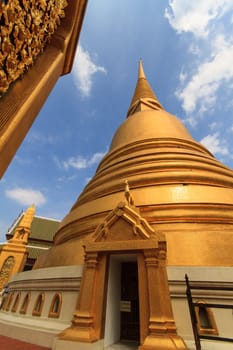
x: 138, y: 227
x: 124, y: 229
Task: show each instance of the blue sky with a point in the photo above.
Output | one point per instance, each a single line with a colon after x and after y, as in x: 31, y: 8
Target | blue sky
x: 187, y: 52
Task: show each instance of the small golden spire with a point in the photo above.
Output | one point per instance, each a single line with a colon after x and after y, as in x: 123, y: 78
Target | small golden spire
x: 144, y: 97
x: 28, y: 217
x: 23, y: 230
x: 128, y: 195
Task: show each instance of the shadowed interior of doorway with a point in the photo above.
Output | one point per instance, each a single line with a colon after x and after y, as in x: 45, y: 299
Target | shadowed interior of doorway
x: 129, y: 302
x: 122, y: 312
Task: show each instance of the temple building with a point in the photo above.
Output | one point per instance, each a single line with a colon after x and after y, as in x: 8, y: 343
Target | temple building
x: 28, y: 236
x: 158, y: 207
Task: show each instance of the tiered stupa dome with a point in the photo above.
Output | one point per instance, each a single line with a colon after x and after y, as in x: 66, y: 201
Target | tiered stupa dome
x: 177, y: 184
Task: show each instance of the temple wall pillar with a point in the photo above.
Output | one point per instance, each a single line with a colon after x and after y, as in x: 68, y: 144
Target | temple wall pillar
x: 161, y: 327
x: 88, y: 318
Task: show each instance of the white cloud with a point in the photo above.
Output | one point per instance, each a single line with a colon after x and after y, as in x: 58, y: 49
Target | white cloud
x: 214, y: 125
x: 67, y: 178
x: 80, y: 162
x: 26, y: 196
x: 195, y: 16
x: 194, y: 49
x: 203, y: 85
x: 199, y: 86
x: 218, y: 44
x: 214, y: 144
x: 182, y: 77
x: 83, y: 71
x: 96, y: 158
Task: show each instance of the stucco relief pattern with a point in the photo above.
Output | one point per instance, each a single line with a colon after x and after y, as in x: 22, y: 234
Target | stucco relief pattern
x: 6, y: 270
x: 26, y: 26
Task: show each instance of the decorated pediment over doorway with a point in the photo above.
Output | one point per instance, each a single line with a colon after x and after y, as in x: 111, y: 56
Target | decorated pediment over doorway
x: 124, y: 223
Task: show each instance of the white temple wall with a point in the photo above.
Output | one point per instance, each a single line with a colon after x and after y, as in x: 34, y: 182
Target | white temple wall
x: 207, y: 276
x: 41, y: 329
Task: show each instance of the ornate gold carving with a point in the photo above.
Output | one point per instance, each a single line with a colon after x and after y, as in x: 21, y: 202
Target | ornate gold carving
x: 151, y: 257
x: 91, y: 260
x: 162, y: 245
x: 140, y: 228
x: 25, y: 29
x: 6, y: 270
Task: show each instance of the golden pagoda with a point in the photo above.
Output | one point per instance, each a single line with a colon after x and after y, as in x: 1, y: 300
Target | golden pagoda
x: 159, y: 206
x: 179, y: 187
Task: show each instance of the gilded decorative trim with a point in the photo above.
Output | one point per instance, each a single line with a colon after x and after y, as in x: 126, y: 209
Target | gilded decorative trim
x: 25, y: 29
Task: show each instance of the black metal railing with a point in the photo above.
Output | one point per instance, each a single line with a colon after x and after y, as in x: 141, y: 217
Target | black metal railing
x: 192, y: 305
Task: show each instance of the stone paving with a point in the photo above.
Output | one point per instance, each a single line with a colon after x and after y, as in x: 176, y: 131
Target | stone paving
x: 14, y: 344
x: 7, y: 343
x: 123, y: 346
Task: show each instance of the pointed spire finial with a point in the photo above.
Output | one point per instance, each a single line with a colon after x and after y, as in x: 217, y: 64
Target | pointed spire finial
x: 144, y: 97
x: 128, y: 195
x: 28, y: 216
x: 141, y: 73
x: 23, y: 230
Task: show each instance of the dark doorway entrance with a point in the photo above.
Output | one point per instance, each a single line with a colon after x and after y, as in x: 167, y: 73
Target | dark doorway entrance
x: 129, y: 302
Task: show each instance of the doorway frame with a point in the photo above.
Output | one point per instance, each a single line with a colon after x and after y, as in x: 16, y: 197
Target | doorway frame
x: 124, y: 231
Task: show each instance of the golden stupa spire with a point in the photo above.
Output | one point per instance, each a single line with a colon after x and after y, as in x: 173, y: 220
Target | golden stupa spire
x: 23, y: 230
x: 144, y: 97
x: 28, y: 217
x: 141, y: 73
